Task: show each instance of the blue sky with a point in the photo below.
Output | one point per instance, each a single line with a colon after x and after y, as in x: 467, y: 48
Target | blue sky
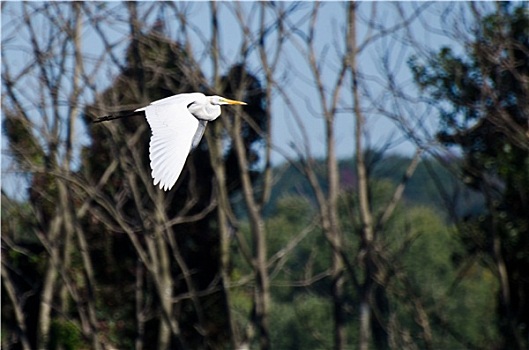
x: 391, y: 50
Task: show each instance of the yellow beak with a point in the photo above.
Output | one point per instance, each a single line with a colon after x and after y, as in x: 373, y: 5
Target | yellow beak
x: 232, y: 102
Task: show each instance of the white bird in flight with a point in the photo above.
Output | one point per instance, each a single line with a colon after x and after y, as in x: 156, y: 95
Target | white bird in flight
x: 177, y: 124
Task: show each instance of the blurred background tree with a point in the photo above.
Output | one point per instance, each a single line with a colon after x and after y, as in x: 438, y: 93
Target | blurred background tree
x: 484, y: 111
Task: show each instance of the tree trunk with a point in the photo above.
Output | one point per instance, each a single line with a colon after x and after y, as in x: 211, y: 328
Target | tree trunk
x: 163, y: 272
x: 17, y: 308
x: 262, y: 289
x: 366, y: 218
x: 335, y: 235
x: 223, y: 207
x: 328, y: 204
x: 48, y: 288
x: 214, y: 139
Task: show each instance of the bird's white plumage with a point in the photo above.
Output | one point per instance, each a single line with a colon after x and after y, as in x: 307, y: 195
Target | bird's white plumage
x: 177, y: 124
x: 173, y: 129
x: 181, y: 99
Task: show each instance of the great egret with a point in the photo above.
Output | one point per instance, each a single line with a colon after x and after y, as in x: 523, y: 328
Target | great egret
x: 177, y: 124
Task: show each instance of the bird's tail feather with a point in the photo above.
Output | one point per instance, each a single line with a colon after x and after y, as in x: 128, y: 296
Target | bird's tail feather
x: 123, y: 114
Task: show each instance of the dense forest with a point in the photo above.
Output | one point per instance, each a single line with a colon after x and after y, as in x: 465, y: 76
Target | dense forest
x: 378, y: 249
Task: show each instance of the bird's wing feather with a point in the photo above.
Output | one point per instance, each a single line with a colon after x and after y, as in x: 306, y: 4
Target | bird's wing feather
x: 178, y: 99
x: 173, y: 131
x: 199, y: 133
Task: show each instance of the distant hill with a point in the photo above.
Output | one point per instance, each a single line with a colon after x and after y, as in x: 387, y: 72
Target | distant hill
x: 431, y: 185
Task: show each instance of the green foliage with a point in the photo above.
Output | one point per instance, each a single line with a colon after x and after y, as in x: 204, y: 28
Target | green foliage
x: 429, y: 264
x: 294, y: 219
x: 301, y: 314
x: 23, y: 144
x: 303, y: 323
x: 461, y: 294
x: 65, y: 335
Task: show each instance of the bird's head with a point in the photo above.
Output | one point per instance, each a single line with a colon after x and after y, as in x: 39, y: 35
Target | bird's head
x: 219, y: 101
x: 208, y: 107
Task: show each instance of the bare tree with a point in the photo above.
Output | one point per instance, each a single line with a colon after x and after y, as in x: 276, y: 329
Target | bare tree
x: 365, y: 268
x: 51, y: 135
x: 109, y: 240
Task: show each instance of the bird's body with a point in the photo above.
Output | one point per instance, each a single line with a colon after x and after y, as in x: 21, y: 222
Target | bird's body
x: 177, y: 124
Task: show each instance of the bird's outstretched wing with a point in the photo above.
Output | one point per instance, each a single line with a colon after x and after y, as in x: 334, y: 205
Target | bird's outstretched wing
x: 173, y: 130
